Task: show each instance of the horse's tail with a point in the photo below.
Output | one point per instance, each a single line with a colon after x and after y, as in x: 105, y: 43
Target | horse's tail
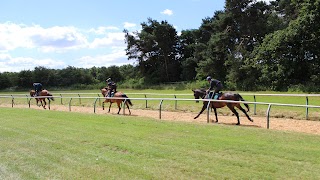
x: 50, y: 98
x: 241, y: 99
x: 128, y: 100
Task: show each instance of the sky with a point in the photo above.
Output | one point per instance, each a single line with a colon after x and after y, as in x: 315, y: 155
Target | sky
x: 61, y: 33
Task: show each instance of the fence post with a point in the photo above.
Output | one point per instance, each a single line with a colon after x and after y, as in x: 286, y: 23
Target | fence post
x: 123, y: 106
x: 268, y: 116
x: 79, y: 99
x: 255, y: 105
x: 94, y: 104
x: 208, y: 112
x: 12, y: 101
x: 61, y: 98
x: 307, y: 109
x: 160, y: 105
x: 99, y: 99
x: 29, y: 101
x: 176, y: 102
x: 27, y: 98
x: 70, y: 104
x: 146, y: 101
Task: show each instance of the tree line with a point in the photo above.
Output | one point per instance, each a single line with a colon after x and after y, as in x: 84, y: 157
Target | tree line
x: 250, y: 45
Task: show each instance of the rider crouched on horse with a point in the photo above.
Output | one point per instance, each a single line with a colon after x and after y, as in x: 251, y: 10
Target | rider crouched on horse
x: 111, y: 87
x: 37, y: 88
x: 215, y: 85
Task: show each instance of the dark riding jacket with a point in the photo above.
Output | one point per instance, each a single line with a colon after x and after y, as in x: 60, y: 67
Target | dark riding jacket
x: 112, y: 88
x: 37, y: 87
x: 216, y: 85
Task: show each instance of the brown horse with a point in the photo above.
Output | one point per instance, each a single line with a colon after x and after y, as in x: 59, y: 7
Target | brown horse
x: 113, y: 100
x: 42, y: 99
x: 224, y: 96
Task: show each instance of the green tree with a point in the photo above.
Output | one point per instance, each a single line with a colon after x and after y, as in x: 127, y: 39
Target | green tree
x: 291, y: 56
x: 5, y: 81
x: 156, y: 50
x: 25, y: 79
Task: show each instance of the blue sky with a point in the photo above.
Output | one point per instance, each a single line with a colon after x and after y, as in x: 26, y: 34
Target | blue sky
x: 60, y: 33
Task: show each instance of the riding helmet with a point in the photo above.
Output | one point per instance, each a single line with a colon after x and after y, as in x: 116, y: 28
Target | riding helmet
x: 209, y: 78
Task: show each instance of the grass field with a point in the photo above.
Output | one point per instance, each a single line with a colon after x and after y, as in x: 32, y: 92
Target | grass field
x: 37, y: 144
x: 189, y: 106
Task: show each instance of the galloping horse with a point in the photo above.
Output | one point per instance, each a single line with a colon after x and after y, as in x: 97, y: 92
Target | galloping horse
x: 224, y: 96
x: 118, y: 101
x: 41, y: 99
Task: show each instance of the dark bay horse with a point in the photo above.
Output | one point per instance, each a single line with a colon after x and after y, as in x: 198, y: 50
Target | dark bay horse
x: 118, y: 101
x: 200, y: 93
x: 41, y: 99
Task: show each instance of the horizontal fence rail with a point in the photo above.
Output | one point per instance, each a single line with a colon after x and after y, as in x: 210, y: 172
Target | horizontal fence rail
x: 165, y: 99
x: 176, y: 95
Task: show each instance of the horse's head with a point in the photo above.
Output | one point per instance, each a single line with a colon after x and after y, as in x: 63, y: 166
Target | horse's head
x: 32, y: 93
x: 104, y: 92
x: 199, y: 93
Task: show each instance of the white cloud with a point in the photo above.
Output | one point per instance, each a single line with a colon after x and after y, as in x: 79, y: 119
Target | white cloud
x: 11, y: 64
x: 116, y: 57
x: 129, y: 25
x: 56, y: 38
x: 167, y: 12
x: 267, y: 1
x: 112, y: 39
x: 102, y: 30
x: 24, y: 47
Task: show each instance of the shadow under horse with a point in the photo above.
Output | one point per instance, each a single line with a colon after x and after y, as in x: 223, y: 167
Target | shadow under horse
x: 115, y: 99
x: 42, y: 99
x: 201, y: 93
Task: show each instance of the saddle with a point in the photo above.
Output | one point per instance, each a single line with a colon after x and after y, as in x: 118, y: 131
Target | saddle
x: 215, y: 96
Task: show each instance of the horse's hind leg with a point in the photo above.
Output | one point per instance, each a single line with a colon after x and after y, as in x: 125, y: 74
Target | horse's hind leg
x: 43, y: 104
x: 110, y: 106
x: 231, y: 107
x: 245, y: 112
x: 119, y: 106
x: 128, y: 108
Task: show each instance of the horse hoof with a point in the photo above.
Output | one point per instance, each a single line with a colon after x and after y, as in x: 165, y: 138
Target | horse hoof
x: 238, y: 124
x: 195, y: 117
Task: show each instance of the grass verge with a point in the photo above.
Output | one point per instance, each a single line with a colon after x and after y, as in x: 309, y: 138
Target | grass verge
x: 39, y: 144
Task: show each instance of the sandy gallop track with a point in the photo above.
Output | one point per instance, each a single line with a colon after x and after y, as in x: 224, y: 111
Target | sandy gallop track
x: 311, y: 127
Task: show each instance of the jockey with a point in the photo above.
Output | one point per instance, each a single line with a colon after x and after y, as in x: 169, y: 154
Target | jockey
x: 214, y: 84
x: 112, y: 86
x: 37, y: 88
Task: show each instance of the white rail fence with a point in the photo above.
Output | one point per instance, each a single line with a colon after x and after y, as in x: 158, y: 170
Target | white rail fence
x: 80, y: 95
x: 160, y: 103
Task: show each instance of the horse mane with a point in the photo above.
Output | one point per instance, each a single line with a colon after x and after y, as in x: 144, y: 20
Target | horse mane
x: 203, y: 90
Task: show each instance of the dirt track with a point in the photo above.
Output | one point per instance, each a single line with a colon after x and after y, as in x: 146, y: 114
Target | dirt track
x: 311, y: 127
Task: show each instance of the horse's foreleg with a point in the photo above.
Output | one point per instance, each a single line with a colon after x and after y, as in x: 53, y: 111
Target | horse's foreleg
x: 215, y: 113
x: 245, y: 112
x: 231, y: 107
x: 103, y: 105
x: 203, y: 108
x: 37, y: 102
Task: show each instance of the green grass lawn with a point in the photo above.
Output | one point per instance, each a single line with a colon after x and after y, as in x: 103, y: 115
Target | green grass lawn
x: 37, y: 144
x: 190, y: 106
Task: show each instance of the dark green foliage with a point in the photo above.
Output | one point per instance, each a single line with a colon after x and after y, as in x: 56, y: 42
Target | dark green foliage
x: 250, y: 45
